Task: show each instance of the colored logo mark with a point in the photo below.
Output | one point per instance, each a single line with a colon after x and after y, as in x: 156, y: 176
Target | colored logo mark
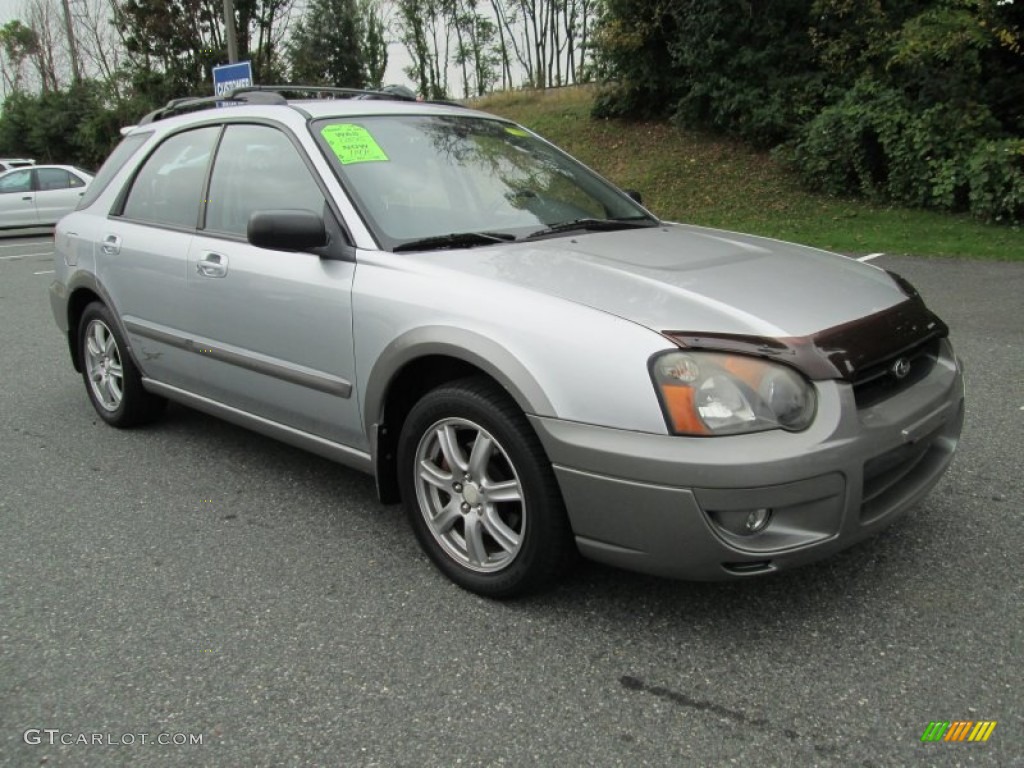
x: 959, y: 730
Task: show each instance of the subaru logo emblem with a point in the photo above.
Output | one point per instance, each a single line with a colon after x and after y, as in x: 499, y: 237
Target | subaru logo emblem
x: 901, y: 368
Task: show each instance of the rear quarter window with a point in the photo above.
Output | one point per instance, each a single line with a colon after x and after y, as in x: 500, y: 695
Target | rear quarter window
x: 122, y: 153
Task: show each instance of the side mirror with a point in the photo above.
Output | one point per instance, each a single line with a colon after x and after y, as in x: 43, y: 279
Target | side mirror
x: 287, y: 230
x: 634, y: 196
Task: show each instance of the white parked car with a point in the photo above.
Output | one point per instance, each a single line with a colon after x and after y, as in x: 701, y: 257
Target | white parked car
x: 40, y: 195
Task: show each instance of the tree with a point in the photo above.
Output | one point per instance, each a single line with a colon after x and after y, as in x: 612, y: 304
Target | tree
x: 173, y: 45
x: 262, y: 27
x: 99, y: 45
x: 73, y: 125
x: 423, y: 28
x: 475, y: 48
x: 375, y: 44
x: 38, y: 43
x: 19, y: 43
x: 327, y: 46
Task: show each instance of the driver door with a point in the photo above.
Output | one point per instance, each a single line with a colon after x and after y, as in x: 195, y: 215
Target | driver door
x: 273, y: 329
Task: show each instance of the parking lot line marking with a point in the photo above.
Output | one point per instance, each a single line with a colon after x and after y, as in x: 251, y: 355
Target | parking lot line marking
x: 45, y: 272
x: 25, y: 256
x: 870, y: 256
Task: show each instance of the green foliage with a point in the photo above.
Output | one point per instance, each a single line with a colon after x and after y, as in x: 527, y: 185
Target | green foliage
x: 633, y: 61
x: 18, y: 43
x: 739, y: 67
x: 375, y: 44
x: 475, y: 50
x: 173, y: 45
x: 327, y: 46
x: 74, y: 126
x: 913, y: 128
x: 915, y: 102
x: 169, y: 37
x: 418, y: 23
x: 995, y: 174
x: 876, y: 143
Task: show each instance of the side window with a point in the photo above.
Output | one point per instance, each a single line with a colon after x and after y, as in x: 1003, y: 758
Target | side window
x: 257, y: 168
x: 17, y: 181
x: 52, y: 178
x: 169, y: 187
x: 75, y: 181
x: 122, y: 154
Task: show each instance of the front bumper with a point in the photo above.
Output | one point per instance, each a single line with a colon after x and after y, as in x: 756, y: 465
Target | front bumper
x: 669, y: 505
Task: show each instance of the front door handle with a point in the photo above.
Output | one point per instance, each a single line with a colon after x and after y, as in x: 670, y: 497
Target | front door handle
x: 28, y: 197
x: 111, y: 245
x: 212, y: 264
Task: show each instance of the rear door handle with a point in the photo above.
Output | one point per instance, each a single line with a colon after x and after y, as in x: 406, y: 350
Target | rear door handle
x: 111, y: 245
x: 212, y: 264
x: 28, y: 197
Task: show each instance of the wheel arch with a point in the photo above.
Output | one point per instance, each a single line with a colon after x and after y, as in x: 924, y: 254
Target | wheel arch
x: 420, y: 361
x: 84, y: 290
x: 78, y: 300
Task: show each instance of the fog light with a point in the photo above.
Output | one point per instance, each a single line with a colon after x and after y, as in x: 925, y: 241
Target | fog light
x: 757, y: 520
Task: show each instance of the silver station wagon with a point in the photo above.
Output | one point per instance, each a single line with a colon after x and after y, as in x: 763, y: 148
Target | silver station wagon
x: 518, y: 351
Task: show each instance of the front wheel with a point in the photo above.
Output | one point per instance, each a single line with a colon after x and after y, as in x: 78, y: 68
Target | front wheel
x: 479, y: 491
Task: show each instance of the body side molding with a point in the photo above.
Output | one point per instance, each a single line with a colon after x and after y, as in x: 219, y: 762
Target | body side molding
x: 322, y: 382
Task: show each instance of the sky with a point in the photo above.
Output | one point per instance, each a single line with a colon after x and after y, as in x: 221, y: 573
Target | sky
x: 398, y: 58
x: 8, y: 10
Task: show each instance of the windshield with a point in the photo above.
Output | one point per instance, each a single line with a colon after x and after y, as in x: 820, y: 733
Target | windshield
x: 416, y: 177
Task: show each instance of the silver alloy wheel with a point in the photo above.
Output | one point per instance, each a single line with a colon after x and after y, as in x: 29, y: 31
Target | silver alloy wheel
x: 103, y: 365
x: 470, y: 495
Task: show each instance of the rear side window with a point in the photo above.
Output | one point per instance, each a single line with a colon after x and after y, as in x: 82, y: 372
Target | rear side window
x: 55, y: 178
x: 169, y: 187
x: 122, y: 154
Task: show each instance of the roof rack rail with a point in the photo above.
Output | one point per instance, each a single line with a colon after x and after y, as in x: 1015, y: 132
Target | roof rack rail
x: 329, y: 89
x: 189, y: 103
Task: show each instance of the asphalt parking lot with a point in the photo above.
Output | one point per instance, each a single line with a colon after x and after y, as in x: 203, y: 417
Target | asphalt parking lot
x: 192, y: 578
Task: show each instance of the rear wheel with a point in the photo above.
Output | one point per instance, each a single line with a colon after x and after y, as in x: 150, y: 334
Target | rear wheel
x: 479, y: 491
x: 111, y: 379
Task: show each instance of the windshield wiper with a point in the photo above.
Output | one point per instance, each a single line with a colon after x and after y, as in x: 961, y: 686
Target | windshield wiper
x: 594, y: 225
x: 455, y: 240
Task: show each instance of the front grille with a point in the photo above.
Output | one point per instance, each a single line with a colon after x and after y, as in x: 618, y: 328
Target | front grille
x: 877, y: 381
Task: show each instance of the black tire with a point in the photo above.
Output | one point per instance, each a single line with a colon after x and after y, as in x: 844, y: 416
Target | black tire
x: 119, y: 401
x: 535, y: 526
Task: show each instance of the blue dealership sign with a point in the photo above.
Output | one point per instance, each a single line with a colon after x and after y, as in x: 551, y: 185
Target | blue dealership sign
x: 227, y: 77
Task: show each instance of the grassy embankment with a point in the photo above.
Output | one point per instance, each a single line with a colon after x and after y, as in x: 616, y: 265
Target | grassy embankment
x: 700, y: 179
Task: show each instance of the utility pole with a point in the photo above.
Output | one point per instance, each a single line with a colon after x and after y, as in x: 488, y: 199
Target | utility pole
x: 76, y: 74
x: 229, y: 30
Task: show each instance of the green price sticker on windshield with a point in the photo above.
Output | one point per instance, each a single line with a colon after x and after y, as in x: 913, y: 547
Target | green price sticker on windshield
x: 516, y: 131
x: 353, y: 144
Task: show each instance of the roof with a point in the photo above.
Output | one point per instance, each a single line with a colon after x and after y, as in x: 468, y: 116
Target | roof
x: 330, y: 102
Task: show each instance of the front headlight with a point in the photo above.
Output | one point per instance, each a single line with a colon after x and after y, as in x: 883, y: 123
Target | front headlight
x: 714, y: 393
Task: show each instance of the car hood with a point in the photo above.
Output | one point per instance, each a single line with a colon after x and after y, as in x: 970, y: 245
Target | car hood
x: 686, y: 278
